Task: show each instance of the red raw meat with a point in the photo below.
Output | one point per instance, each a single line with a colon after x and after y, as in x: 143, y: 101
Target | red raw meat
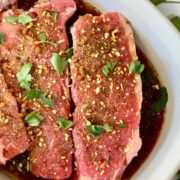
x: 51, y: 147
x: 13, y: 137
x: 116, y: 99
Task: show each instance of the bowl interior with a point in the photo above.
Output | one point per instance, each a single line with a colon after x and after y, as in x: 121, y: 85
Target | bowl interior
x: 160, y: 42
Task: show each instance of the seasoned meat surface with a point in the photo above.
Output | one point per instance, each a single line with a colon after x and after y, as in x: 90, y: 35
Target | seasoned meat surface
x: 105, y: 93
x: 51, y: 147
x: 13, y: 137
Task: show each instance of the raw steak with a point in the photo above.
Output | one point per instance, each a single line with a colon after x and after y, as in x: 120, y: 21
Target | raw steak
x: 5, y: 3
x: 101, y: 96
x: 51, y: 147
x: 13, y: 137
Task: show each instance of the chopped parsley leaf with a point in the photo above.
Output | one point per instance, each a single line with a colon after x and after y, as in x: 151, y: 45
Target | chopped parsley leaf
x: 23, y: 76
x: 122, y: 125
x: 106, y: 69
x: 58, y: 62
x: 34, y: 93
x: 65, y: 124
x: 69, y: 52
x: 54, y: 15
x: 107, y: 127
x: 1, y: 37
x: 161, y: 103
x: 43, y: 39
x: 84, y: 106
x: 97, y: 130
x: 21, y: 19
x: 136, y: 67
x: 34, y: 119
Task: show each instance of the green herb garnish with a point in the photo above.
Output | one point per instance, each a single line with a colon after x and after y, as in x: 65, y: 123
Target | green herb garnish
x: 107, y: 127
x: 176, y: 21
x: 84, y: 106
x: 34, y: 119
x: 43, y: 39
x: 65, y: 124
x: 54, y: 15
x: 161, y: 103
x: 22, y: 19
x: 23, y: 76
x: 97, y: 130
x: 136, y: 67
x: 1, y: 37
x: 122, y: 125
x: 59, y: 63
x: 106, y: 69
x: 34, y: 93
x: 69, y: 52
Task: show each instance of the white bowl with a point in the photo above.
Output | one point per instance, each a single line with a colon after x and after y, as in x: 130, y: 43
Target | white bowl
x: 160, y: 41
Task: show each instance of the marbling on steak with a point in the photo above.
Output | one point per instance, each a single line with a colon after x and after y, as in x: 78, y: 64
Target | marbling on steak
x: 51, y: 147
x: 13, y: 137
x: 116, y: 99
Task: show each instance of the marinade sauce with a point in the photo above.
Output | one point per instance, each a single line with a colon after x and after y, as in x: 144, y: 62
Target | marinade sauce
x: 151, y: 122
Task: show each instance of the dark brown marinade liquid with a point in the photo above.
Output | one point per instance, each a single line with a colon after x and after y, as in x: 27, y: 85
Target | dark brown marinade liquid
x: 151, y: 122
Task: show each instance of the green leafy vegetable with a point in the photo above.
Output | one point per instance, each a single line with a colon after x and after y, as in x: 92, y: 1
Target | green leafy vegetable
x: 84, y: 106
x: 11, y: 19
x: 176, y: 21
x: 106, y: 69
x: 23, y: 76
x: 69, y: 52
x: 97, y: 130
x: 65, y: 124
x: 156, y: 2
x: 43, y: 39
x: 22, y: 19
x: 107, y: 127
x: 59, y: 63
x: 47, y: 101
x: 122, y: 125
x: 54, y: 15
x: 161, y: 103
x: 34, y: 93
x: 34, y: 119
x: 1, y: 37
x: 136, y: 67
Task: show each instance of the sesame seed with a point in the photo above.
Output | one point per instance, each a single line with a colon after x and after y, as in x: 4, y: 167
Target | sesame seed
x: 106, y: 35
x: 102, y: 172
x: 54, y: 111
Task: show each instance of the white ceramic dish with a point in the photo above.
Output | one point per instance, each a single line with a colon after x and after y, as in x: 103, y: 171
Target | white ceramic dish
x: 160, y: 41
